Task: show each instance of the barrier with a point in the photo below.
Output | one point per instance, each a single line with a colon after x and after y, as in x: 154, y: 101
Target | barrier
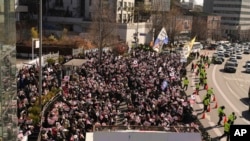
x: 53, y: 56
x: 146, y: 128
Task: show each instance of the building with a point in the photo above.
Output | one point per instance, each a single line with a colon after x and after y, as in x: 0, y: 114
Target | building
x: 208, y: 6
x: 8, y: 102
x: 78, y: 16
x: 235, y: 23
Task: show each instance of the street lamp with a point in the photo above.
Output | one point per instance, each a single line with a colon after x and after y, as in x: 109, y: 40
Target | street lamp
x: 40, y: 52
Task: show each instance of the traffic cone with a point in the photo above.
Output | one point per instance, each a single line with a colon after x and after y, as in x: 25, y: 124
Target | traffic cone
x: 225, y: 119
x: 206, y: 87
x: 208, y: 108
x: 203, y: 115
x: 216, y: 105
x: 214, y: 99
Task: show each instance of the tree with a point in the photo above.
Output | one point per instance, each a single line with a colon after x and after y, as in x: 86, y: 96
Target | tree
x: 103, y: 26
x: 199, y: 28
x: 169, y: 21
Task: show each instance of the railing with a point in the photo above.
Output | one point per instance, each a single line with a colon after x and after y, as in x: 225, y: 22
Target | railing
x: 147, y: 128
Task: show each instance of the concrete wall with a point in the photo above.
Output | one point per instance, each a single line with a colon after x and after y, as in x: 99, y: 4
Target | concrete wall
x: 145, y: 136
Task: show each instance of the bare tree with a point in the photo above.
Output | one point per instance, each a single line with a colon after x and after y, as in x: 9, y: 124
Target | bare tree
x: 103, y: 27
x: 199, y: 28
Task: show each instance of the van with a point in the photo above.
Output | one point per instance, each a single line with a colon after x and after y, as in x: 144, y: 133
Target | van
x: 197, y: 46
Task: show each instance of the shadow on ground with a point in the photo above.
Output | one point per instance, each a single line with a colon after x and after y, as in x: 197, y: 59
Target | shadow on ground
x: 246, y: 115
x: 211, y: 127
x: 245, y: 100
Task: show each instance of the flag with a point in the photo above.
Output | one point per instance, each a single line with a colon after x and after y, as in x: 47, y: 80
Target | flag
x: 186, y: 50
x: 161, y: 39
x: 192, y: 43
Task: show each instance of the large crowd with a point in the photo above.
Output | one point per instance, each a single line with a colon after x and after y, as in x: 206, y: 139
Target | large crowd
x: 149, y: 83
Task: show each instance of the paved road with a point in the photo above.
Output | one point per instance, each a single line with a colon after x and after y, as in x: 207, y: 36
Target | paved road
x: 231, y: 90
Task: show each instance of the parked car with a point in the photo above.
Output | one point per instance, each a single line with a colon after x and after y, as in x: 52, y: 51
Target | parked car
x: 230, y: 67
x: 238, y: 56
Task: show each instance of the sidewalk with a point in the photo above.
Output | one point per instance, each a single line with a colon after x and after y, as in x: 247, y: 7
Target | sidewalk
x: 205, y: 119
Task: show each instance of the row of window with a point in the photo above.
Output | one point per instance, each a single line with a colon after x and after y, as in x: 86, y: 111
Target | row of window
x: 228, y: 5
x: 232, y: 12
x: 232, y: 5
x: 228, y: 0
x: 235, y: 18
x: 126, y: 4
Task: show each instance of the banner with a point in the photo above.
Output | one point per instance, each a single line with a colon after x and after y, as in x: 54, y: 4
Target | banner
x: 161, y: 39
x: 186, y: 50
x: 192, y: 43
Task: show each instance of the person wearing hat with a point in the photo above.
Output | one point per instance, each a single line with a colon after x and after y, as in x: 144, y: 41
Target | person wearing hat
x: 221, y: 114
x: 226, y: 130
x: 206, y: 102
x: 232, y: 117
x: 185, y: 83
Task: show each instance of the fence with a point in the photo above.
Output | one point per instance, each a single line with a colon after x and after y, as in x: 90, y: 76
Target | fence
x: 147, y: 128
x: 54, y: 56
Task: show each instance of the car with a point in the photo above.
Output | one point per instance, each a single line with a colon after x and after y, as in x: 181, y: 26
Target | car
x: 233, y: 56
x: 217, y: 60
x: 247, y: 68
x: 247, y: 62
x: 227, y: 54
x: 246, y: 51
x: 232, y: 60
x: 238, y: 56
x: 220, y: 55
x: 230, y: 67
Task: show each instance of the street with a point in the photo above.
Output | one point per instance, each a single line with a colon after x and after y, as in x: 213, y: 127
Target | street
x: 230, y: 89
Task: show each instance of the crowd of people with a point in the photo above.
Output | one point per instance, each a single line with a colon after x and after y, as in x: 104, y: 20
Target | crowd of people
x: 149, y: 83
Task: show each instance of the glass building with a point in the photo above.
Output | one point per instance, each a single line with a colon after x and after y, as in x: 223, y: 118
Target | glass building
x: 8, y: 102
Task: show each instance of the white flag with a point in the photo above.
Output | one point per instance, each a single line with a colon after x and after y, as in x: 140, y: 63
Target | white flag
x: 161, y: 39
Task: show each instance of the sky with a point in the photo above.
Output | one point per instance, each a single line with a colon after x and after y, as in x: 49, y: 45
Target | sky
x: 199, y: 2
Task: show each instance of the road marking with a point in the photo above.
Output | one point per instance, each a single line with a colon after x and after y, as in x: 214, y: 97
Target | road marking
x: 225, y: 97
x: 208, y: 117
x: 232, y: 91
x: 216, y: 130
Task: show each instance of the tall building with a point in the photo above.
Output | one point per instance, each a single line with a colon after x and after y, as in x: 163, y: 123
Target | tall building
x: 235, y: 17
x: 208, y: 6
x: 8, y: 102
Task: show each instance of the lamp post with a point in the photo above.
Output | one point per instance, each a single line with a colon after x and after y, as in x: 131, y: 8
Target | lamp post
x: 40, y: 52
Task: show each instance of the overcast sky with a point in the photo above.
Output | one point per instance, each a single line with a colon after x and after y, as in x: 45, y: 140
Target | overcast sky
x: 199, y: 2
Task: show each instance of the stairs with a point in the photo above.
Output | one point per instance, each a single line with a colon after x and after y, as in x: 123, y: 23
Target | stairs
x: 122, y: 108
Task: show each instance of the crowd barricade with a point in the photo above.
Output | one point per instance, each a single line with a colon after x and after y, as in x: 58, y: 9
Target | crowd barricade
x: 146, y: 128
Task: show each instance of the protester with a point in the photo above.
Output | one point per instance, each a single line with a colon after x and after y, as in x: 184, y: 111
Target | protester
x: 149, y: 83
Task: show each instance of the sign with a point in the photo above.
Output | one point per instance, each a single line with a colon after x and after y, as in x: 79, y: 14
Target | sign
x: 77, y: 51
x: 239, y: 132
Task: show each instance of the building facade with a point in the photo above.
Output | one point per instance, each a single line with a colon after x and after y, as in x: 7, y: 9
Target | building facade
x: 79, y: 21
x: 8, y: 101
x: 208, y: 6
x: 235, y: 17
